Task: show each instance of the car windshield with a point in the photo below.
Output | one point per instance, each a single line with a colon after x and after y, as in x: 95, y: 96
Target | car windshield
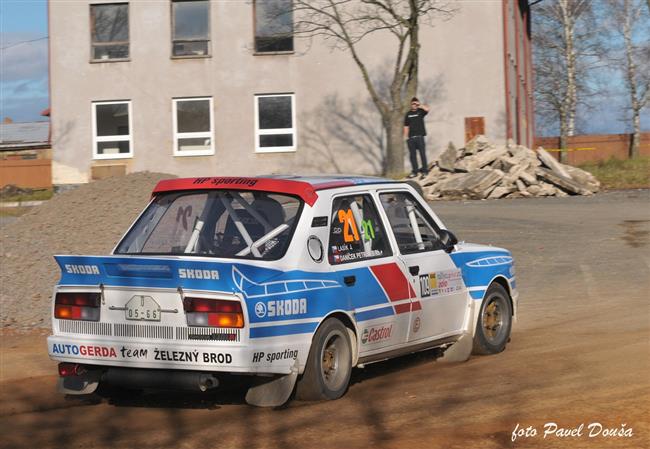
x: 219, y: 223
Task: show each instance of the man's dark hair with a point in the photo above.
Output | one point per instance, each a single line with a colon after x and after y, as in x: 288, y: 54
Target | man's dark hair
x: 414, y: 99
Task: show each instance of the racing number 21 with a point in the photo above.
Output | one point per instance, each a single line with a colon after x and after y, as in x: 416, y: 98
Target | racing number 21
x: 346, y: 217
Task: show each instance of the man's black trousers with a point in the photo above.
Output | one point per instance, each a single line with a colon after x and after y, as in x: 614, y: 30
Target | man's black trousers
x: 416, y: 144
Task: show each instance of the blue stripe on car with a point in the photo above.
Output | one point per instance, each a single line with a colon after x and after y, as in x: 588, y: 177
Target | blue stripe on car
x: 376, y: 313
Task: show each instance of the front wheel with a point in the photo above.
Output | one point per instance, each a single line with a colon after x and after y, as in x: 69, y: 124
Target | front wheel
x: 329, y: 364
x: 494, y: 321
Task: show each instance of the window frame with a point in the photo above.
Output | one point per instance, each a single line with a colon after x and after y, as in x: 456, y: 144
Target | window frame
x: 115, y: 138
x: 193, y: 135
x: 275, y: 131
x: 430, y: 219
x: 389, y: 251
x: 173, y: 26
x: 106, y: 44
x: 257, y: 52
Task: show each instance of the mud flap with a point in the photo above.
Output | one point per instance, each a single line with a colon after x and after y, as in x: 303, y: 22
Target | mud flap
x: 85, y: 383
x: 459, y: 351
x: 275, y: 392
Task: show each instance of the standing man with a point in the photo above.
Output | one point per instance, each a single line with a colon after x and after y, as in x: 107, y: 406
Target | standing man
x: 414, y: 133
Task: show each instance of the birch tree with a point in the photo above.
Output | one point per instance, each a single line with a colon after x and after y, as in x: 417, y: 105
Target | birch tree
x: 629, y: 19
x: 346, y: 23
x: 566, y: 47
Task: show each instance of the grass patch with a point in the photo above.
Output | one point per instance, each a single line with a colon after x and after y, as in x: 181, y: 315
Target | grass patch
x: 27, y: 195
x: 618, y: 174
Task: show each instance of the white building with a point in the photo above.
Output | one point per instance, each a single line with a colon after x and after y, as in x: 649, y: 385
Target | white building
x: 202, y: 87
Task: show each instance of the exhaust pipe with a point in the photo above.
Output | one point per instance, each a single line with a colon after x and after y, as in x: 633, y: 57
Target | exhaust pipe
x: 160, y: 379
x: 207, y: 382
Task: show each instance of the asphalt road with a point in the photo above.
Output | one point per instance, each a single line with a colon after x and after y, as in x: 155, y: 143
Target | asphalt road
x: 579, y: 355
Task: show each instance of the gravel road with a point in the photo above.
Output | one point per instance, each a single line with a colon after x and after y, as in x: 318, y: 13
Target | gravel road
x: 580, y: 354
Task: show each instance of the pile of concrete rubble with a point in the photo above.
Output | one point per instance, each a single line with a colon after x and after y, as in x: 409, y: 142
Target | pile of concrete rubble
x: 483, y: 170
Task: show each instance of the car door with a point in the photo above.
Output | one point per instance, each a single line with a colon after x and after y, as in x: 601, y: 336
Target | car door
x: 442, y: 301
x: 359, y: 251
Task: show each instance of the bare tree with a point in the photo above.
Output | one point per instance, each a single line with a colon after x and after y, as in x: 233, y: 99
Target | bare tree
x: 629, y: 19
x: 566, y: 48
x: 345, y: 23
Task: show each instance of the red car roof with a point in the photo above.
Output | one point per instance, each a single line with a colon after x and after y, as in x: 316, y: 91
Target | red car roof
x: 302, y: 189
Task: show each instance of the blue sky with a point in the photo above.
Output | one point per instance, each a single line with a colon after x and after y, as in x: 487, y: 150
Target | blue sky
x: 23, y: 67
x: 24, y: 72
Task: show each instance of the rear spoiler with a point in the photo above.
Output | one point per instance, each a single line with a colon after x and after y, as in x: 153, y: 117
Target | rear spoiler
x: 301, y: 189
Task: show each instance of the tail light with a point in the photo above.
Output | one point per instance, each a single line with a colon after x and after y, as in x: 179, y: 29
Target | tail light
x: 77, y: 306
x: 213, y: 312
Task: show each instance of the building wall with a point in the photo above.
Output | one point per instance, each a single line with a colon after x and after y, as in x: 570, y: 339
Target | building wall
x: 461, y: 75
x: 518, y: 68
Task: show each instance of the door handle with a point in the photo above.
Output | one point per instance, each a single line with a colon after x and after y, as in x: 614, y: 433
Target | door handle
x: 350, y: 280
x: 414, y: 270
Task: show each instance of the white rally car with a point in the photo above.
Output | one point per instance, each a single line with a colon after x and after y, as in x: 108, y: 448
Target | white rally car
x: 294, y: 280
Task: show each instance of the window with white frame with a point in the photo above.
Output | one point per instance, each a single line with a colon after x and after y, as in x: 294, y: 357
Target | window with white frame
x: 275, y: 119
x: 193, y: 135
x: 112, y: 137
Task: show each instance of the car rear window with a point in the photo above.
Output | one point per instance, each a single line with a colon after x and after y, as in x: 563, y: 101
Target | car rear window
x: 219, y: 223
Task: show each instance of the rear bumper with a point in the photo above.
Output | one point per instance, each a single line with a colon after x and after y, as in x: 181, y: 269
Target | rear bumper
x: 265, y: 357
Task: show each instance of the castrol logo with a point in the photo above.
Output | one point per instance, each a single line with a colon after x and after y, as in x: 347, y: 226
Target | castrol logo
x: 376, y: 334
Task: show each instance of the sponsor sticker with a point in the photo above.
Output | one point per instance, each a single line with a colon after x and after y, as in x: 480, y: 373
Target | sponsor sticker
x: 226, y: 181
x: 188, y: 273
x: 137, y: 353
x: 441, y: 283
x: 281, y: 307
x: 375, y: 334
x: 260, y: 309
x: 81, y: 269
x: 287, y: 354
x: 84, y: 350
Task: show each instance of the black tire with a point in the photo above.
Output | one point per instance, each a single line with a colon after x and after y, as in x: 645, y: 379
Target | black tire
x: 329, y: 364
x: 494, y: 322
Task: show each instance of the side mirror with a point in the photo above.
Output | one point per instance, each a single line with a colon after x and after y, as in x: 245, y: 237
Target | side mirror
x: 448, y: 240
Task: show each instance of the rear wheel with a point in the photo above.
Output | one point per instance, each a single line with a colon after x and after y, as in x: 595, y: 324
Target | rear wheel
x: 494, y: 321
x: 329, y: 364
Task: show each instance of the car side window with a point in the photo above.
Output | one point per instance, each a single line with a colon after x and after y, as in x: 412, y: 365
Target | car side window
x: 356, y: 231
x: 414, y: 230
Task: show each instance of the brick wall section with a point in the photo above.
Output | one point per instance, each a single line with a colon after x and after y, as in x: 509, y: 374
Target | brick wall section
x: 604, y: 146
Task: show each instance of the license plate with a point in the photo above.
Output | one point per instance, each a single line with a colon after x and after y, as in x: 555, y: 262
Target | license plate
x: 142, y: 308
